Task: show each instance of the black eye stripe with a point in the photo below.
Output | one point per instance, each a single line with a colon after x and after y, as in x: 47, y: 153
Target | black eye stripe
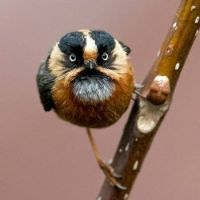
x: 103, y: 40
x: 75, y: 42
x: 72, y: 42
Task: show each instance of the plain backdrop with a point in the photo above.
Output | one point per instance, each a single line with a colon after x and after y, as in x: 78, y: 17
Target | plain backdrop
x: 43, y: 157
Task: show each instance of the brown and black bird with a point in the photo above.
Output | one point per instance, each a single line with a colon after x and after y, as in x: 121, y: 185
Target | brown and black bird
x: 88, y: 80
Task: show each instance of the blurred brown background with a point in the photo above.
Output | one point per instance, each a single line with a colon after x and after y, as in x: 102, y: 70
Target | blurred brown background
x: 42, y: 157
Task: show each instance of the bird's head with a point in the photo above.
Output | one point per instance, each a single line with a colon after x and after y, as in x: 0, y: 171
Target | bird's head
x: 91, y: 63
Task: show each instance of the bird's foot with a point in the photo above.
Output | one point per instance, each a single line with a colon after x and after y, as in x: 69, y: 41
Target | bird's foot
x: 111, y: 175
x: 136, y: 92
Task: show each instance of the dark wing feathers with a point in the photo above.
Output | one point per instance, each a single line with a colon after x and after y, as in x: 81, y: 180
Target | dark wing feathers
x: 45, y: 82
x: 125, y: 47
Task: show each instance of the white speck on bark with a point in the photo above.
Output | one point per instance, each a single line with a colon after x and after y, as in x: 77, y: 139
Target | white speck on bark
x: 177, y: 66
x: 197, y: 20
x: 193, y: 7
x: 175, y: 26
x: 120, y: 150
x: 125, y: 197
x: 135, y: 165
x: 110, y: 161
x: 127, y: 147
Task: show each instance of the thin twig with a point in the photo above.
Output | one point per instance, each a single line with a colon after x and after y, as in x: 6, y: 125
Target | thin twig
x: 159, y: 85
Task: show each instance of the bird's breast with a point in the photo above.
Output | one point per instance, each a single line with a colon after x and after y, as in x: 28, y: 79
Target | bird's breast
x: 92, y: 100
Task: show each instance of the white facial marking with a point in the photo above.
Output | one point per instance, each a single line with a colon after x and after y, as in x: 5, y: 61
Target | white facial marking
x: 90, y: 44
x: 84, y: 31
x: 121, y: 58
x: 93, y: 89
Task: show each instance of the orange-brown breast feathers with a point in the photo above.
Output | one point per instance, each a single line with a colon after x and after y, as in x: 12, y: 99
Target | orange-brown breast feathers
x: 96, y: 112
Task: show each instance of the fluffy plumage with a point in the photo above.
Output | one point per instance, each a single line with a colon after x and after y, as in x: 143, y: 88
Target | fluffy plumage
x: 87, y: 79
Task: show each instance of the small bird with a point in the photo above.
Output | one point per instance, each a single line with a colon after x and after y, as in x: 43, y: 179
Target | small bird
x: 88, y: 80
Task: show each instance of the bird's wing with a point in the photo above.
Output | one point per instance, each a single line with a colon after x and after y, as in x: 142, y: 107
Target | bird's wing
x: 45, y: 82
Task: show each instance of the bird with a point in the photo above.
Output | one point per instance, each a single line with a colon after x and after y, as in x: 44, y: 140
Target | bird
x: 88, y: 80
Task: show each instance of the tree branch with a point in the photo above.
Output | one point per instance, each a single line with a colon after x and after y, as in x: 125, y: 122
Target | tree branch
x: 148, y: 111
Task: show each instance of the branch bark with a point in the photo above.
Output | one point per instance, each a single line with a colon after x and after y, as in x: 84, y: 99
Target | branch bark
x: 147, y: 113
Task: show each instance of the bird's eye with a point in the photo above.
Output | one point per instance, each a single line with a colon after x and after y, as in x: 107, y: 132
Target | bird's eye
x: 105, y: 56
x: 72, y: 57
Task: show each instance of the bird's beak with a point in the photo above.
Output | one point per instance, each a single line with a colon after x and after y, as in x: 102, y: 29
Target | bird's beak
x: 90, y: 64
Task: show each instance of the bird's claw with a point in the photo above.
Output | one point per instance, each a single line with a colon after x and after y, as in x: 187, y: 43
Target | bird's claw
x: 136, y: 92
x: 111, y: 175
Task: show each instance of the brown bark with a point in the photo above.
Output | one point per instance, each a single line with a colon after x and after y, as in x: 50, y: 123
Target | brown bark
x: 147, y: 113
